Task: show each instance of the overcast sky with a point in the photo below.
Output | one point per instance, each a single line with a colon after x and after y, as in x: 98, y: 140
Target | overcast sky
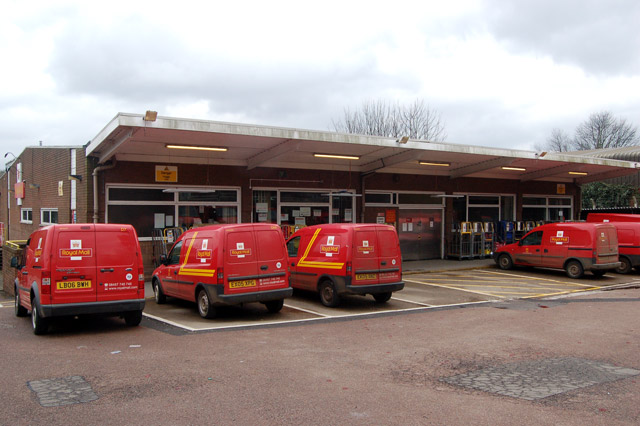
x: 502, y: 74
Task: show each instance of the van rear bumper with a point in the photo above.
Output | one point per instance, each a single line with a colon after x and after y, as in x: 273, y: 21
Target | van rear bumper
x: 110, y: 307
x: 374, y: 288
x: 217, y: 296
x: 604, y: 266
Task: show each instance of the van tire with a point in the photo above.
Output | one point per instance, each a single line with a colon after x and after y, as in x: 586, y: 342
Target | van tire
x: 132, y: 319
x: 382, y: 297
x: 158, y: 294
x: 20, y: 310
x: 625, y: 265
x: 205, y: 308
x: 505, y: 262
x: 328, y: 294
x: 574, y: 269
x: 40, y: 325
x: 274, y: 306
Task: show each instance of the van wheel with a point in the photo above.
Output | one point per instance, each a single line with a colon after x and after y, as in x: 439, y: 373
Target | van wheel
x: 20, y: 310
x: 205, y: 309
x: 574, y: 269
x: 382, y: 297
x: 625, y: 266
x: 40, y: 325
x: 328, y: 294
x: 158, y: 294
x: 274, y: 306
x: 598, y: 274
x: 505, y: 262
x: 133, y: 319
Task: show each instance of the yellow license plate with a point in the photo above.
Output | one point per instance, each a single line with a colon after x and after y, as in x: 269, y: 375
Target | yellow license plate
x: 242, y: 284
x: 70, y: 285
x: 360, y: 277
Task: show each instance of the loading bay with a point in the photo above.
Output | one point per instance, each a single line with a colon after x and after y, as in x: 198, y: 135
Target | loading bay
x: 423, y: 291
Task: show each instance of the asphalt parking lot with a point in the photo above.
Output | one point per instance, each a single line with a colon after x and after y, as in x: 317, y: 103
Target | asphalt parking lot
x: 423, y: 290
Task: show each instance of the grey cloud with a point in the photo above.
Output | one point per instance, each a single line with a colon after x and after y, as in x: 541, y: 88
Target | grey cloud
x: 601, y: 37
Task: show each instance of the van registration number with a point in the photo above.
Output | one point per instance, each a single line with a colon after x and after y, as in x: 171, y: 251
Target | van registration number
x: 70, y: 285
x: 360, y: 277
x: 242, y: 283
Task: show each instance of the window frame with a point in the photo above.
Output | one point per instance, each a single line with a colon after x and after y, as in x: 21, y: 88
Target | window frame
x: 48, y: 210
x: 29, y: 212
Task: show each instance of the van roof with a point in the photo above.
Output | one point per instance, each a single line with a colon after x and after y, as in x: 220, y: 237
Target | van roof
x: 347, y: 226
x: 575, y: 225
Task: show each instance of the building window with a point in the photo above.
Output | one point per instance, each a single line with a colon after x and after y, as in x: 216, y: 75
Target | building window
x: 484, y: 208
x: 151, y: 209
x: 48, y: 216
x: 26, y: 215
x: 552, y: 209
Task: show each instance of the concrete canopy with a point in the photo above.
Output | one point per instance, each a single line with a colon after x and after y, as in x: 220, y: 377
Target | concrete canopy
x: 128, y: 137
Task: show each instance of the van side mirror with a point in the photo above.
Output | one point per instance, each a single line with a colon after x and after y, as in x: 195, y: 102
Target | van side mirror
x: 15, y: 262
x: 163, y: 259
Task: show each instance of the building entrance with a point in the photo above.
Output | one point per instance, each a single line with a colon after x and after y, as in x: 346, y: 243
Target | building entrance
x: 420, y: 233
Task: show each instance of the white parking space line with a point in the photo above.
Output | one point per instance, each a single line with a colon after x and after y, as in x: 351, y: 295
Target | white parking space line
x: 307, y: 311
x: 454, y: 288
x: 412, y: 301
x: 505, y: 274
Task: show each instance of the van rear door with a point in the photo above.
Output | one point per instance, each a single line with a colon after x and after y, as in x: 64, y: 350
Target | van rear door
x: 117, y: 263
x: 240, y: 261
x: 606, y: 244
x: 73, y: 275
x: 365, y: 256
x: 272, y: 258
x: 389, y: 256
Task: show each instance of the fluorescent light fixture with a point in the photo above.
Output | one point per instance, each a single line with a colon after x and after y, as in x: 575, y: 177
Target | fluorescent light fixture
x: 429, y: 163
x: 342, y: 157
x: 517, y: 169
x: 197, y: 148
x: 200, y: 190
x: 579, y: 173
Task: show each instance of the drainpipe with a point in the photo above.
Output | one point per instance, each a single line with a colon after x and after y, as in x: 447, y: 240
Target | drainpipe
x: 95, y: 186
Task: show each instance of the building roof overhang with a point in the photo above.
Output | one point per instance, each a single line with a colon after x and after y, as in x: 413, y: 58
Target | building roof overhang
x: 128, y: 137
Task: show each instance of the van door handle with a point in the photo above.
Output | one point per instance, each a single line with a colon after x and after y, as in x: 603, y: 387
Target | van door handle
x: 293, y: 263
x: 264, y: 267
x: 546, y: 251
x: 538, y: 250
x: 383, y: 263
x: 106, y: 270
x: 25, y: 272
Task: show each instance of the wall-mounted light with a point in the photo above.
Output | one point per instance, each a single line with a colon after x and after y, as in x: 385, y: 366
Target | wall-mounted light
x: 197, y: 148
x: 150, y: 116
x: 431, y: 163
x: 341, y: 157
x: 403, y: 140
x: 76, y: 177
x: 517, y: 169
x: 579, y: 173
x: 33, y: 185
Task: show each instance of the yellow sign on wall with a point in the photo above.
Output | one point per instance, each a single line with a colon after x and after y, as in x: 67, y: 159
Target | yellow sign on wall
x: 560, y: 188
x: 166, y: 174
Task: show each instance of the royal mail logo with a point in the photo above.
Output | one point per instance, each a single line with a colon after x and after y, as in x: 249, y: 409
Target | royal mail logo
x: 367, y: 249
x: 560, y: 240
x: 240, y: 252
x: 330, y: 249
x: 37, y: 253
x: 203, y: 254
x: 86, y: 252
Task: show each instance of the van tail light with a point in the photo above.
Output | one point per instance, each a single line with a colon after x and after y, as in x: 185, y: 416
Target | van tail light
x: 140, y: 278
x: 220, y: 275
x: 348, y: 267
x: 46, y: 282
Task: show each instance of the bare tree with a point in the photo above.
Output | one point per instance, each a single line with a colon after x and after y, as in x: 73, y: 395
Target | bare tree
x: 559, y: 141
x: 381, y: 118
x: 600, y: 131
x: 603, y: 131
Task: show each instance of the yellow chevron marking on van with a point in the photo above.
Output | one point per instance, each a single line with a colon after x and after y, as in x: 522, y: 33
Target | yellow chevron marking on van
x: 315, y: 264
x: 190, y: 271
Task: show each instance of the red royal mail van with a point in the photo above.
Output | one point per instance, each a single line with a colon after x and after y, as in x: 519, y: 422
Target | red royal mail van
x: 574, y: 247
x: 79, y: 269
x: 628, y: 227
x: 220, y: 265
x: 346, y: 258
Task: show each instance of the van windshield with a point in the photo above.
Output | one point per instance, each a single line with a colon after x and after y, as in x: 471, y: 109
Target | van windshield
x: 533, y: 239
